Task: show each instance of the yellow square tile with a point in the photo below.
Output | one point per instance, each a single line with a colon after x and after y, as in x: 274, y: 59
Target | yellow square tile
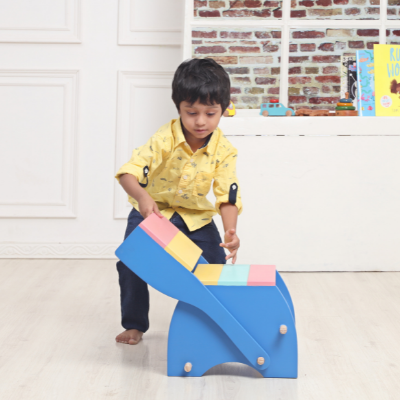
x: 209, y: 274
x: 184, y: 250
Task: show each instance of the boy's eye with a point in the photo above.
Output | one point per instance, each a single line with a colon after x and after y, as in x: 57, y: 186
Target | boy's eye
x: 193, y: 113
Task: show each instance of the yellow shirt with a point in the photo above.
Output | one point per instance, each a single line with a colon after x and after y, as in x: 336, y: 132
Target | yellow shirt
x: 179, y: 180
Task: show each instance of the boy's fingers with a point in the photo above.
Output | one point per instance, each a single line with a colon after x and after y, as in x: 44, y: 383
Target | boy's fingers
x: 233, y: 254
x: 157, y: 212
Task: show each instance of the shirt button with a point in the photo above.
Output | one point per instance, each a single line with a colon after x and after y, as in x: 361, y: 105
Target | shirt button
x: 180, y: 191
x: 185, y: 177
x: 192, y: 160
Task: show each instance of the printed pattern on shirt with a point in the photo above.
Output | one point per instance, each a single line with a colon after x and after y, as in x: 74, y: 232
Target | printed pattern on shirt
x: 179, y: 180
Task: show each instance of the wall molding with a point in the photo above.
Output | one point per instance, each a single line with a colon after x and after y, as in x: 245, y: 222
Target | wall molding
x: 59, y: 250
x: 128, y: 34
x: 68, y: 33
x: 69, y: 81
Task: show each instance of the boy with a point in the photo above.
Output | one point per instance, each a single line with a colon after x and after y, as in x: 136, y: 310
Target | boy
x: 171, y: 175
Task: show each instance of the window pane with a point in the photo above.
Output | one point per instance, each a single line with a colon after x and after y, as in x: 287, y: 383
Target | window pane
x: 315, y: 63
x: 393, y: 9
x: 250, y: 55
x: 335, y: 9
x: 248, y: 9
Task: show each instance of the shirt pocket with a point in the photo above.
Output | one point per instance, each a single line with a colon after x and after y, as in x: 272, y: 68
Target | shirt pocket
x: 202, y: 184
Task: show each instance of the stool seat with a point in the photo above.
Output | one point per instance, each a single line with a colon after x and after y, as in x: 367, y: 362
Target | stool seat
x: 236, y: 274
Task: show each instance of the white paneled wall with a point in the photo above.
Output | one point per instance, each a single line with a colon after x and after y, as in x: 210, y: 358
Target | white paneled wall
x: 37, y: 143
x: 40, y: 21
x: 84, y: 85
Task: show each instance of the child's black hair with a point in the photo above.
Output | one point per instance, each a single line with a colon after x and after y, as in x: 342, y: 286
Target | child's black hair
x: 203, y: 80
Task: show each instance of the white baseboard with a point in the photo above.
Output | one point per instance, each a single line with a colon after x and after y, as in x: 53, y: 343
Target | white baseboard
x: 58, y: 250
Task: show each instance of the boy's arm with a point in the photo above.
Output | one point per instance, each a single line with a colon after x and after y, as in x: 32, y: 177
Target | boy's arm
x: 229, y: 214
x: 146, y: 203
x: 228, y: 200
x: 140, y: 168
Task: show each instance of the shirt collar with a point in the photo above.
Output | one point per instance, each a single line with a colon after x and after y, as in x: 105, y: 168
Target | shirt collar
x: 180, y: 137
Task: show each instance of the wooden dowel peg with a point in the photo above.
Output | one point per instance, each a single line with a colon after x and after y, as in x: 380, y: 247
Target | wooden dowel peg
x: 260, y: 360
x: 188, y: 367
x: 283, y: 329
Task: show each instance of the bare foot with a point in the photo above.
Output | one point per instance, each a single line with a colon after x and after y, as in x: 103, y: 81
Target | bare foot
x: 130, y: 336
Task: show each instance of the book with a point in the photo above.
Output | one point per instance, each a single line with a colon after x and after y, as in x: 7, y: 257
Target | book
x: 348, y: 77
x: 365, y: 83
x: 387, y: 79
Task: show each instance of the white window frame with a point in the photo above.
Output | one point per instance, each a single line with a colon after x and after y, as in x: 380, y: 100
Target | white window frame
x: 285, y: 25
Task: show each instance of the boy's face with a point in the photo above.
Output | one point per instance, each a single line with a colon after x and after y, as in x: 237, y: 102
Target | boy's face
x: 199, y: 119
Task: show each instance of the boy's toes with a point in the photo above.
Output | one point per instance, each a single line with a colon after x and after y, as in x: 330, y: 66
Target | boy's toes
x: 131, y: 336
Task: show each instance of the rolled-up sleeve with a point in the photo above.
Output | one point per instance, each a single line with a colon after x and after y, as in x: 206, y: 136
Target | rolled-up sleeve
x: 226, y: 185
x: 144, y: 160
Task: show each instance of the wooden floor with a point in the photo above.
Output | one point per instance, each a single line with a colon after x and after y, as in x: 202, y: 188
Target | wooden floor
x: 59, y: 318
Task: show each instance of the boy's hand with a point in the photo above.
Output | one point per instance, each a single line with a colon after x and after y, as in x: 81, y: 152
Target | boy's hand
x: 232, y: 243
x: 148, y: 206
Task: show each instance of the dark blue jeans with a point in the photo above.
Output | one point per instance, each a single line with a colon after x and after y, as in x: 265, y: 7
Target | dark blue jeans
x: 134, y: 292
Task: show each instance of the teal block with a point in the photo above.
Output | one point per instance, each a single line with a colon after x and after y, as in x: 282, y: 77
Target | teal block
x: 234, y: 275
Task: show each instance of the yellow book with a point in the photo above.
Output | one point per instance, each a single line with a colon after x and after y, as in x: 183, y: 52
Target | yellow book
x: 387, y: 80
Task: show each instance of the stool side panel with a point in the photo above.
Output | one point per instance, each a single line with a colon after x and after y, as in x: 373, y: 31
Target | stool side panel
x: 262, y: 310
x: 280, y: 283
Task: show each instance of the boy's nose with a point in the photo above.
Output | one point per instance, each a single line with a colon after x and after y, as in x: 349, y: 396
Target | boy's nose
x: 200, y: 121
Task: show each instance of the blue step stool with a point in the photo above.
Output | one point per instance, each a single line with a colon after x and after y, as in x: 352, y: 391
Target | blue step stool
x: 226, y: 313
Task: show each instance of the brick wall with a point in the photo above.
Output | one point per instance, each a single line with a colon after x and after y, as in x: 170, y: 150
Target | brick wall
x: 393, y: 10
x: 314, y: 63
x: 225, y: 9
x: 336, y: 9
x: 251, y: 56
x: 393, y: 36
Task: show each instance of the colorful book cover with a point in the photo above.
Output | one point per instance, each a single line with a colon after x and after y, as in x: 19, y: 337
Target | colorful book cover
x: 387, y: 79
x: 348, y: 77
x: 366, y: 83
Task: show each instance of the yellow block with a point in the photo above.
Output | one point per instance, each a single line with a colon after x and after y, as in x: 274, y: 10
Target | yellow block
x: 184, y: 251
x: 209, y: 274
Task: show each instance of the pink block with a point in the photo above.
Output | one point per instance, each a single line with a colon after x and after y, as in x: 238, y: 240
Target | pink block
x: 261, y: 275
x: 159, y: 229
